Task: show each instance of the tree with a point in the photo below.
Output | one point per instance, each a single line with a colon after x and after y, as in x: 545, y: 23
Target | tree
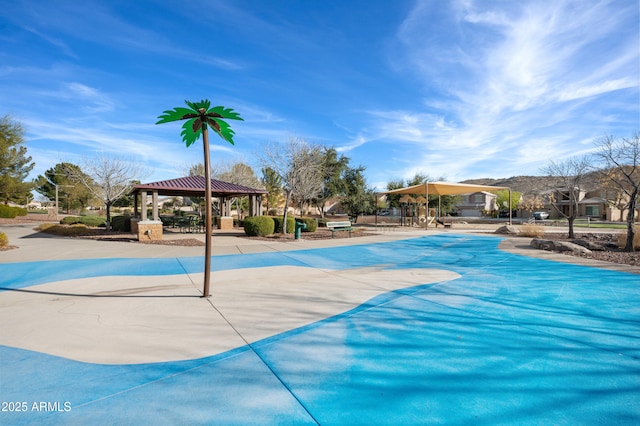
x: 358, y: 199
x: 76, y: 196
x: 333, y: 168
x: 15, y: 165
x: 239, y: 174
x: 199, y: 116
x: 531, y: 202
x: 107, y: 178
x: 127, y: 200
x: 621, y: 161
x: 298, y: 164
x: 196, y: 170
x: 310, y: 181
x: 393, y: 200
x: 572, y: 173
x: 503, y: 199
x: 273, y: 184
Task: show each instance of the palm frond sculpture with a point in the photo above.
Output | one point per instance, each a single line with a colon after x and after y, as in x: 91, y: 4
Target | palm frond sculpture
x: 199, y: 117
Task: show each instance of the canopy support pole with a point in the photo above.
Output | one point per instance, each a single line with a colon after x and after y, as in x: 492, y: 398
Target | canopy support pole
x: 510, y: 209
x: 428, y: 212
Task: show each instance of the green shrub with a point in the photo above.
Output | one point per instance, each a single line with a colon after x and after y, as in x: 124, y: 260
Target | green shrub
x: 4, y: 241
x: 312, y: 223
x: 291, y: 224
x: 121, y: 223
x: 10, y: 212
x: 259, y: 226
x: 91, y: 221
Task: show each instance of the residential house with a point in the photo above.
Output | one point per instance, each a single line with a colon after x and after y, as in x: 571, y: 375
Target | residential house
x: 591, y: 204
x: 476, y: 204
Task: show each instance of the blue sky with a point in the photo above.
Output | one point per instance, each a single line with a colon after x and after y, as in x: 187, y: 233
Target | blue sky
x: 457, y: 89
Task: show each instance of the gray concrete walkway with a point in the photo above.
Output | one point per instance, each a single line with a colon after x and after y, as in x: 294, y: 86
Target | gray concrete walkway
x: 36, y: 246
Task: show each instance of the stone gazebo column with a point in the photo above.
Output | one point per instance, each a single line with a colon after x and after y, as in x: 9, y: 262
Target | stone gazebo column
x: 225, y: 222
x: 148, y: 230
x: 255, y: 205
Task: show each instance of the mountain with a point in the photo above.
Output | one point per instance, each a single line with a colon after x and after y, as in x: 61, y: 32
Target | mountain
x: 531, y: 184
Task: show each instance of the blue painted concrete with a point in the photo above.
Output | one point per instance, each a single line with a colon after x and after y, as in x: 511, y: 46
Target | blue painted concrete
x: 515, y: 340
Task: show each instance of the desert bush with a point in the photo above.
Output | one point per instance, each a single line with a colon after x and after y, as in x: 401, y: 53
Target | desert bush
x: 10, y: 212
x: 121, y: 223
x: 45, y: 226
x: 312, y: 223
x: 91, y: 221
x: 622, y: 240
x: 4, y: 240
x: 291, y: 224
x: 531, y: 230
x: 259, y: 226
x: 66, y: 230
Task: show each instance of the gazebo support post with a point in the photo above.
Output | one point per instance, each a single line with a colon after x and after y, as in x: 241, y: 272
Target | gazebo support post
x: 154, y: 209
x: 426, y: 191
x: 510, y: 210
x: 143, y: 205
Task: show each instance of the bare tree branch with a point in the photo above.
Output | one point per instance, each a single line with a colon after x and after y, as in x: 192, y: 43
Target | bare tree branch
x: 572, y: 173
x: 299, y: 166
x: 620, y: 160
x: 107, y: 178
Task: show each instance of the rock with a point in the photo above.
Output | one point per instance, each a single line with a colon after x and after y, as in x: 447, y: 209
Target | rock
x: 560, y: 246
x: 574, y: 248
x: 507, y: 229
x: 542, y: 244
x: 591, y: 245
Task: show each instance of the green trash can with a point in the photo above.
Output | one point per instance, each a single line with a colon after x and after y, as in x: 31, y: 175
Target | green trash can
x: 299, y: 227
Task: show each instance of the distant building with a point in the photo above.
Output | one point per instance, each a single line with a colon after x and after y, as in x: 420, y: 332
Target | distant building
x: 595, y: 204
x: 477, y: 204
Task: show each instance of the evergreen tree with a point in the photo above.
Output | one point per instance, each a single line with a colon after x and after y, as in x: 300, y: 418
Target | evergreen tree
x: 74, y: 195
x: 358, y: 199
x: 15, y: 165
x: 333, y: 184
x: 272, y: 183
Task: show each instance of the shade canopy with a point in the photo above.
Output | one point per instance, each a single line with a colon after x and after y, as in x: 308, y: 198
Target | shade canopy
x: 444, y: 188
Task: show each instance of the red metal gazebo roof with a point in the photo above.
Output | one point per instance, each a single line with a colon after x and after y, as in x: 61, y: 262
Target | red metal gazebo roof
x: 195, y: 186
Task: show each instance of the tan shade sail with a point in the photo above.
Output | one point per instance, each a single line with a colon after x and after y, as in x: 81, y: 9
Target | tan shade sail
x: 444, y: 188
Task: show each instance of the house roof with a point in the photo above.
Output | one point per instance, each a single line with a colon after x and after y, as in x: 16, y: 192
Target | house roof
x: 195, y: 186
x: 593, y: 200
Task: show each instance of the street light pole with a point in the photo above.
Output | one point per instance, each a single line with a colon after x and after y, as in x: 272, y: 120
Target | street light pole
x: 64, y: 186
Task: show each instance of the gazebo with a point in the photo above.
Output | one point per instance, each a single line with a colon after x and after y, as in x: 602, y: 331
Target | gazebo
x: 190, y: 186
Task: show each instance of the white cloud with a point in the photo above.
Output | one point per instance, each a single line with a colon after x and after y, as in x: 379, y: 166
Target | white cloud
x: 91, y: 100
x: 355, y: 143
x: 523, y: 82
x: 577, y: 92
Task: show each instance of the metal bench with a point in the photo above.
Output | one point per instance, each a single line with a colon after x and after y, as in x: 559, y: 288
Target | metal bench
x: 445, y: 224
x: 340, y: 226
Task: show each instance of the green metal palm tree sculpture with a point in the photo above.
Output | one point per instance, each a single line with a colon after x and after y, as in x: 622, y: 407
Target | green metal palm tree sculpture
x: 199, y: 117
